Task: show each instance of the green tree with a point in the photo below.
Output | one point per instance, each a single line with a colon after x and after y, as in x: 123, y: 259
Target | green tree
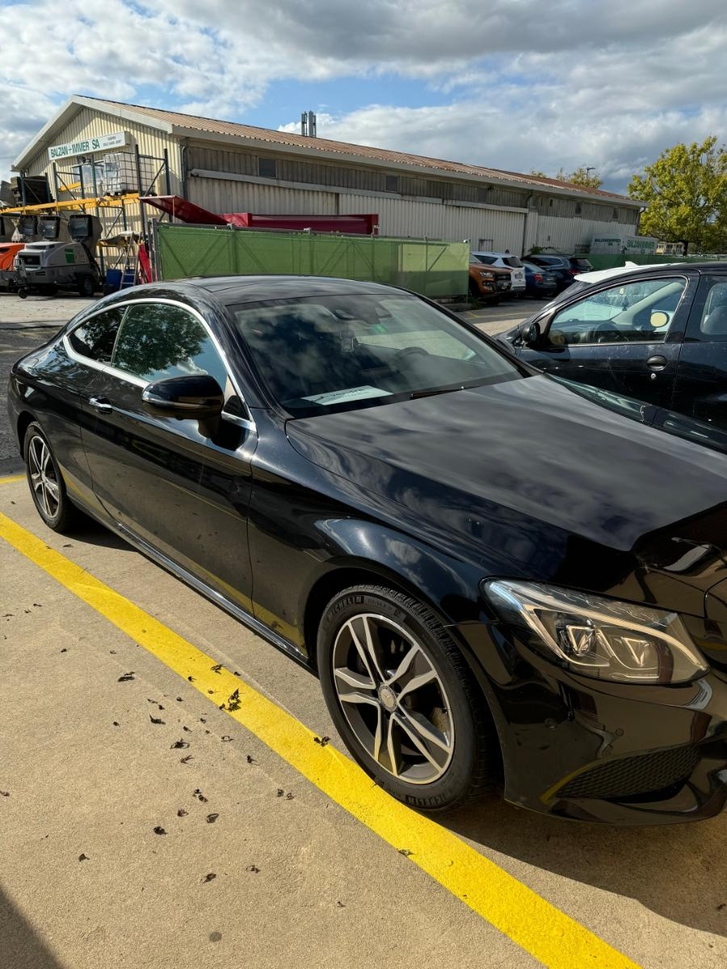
x: 581, y: 176
x: 686, y: 193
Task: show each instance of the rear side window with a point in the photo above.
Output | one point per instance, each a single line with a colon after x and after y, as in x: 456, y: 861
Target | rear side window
x: 512, y: 261
x: 95, y: 338
x: 708, y: 318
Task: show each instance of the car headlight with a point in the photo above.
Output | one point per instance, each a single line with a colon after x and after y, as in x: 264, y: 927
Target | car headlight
x: 603, y: 638
x: 486, y: 275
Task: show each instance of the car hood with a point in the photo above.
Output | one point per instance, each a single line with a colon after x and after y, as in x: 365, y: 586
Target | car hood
x: 529, y: 479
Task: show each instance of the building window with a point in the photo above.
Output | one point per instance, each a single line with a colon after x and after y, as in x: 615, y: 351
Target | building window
x: 578, y: 208
x: 550, y: 203
x: 267, y: 168
x: 615, y: 214
x: 392, y: 183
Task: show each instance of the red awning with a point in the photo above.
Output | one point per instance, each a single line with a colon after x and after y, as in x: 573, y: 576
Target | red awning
x: 180, y: 208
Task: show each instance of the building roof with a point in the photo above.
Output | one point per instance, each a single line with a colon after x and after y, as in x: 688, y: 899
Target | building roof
x: 176, y: 123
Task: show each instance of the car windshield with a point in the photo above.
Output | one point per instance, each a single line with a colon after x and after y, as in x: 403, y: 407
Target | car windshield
x: 322, y: 354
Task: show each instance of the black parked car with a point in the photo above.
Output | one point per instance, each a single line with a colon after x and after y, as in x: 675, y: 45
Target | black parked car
x: 492, y: 574
x: 564, y: 268
x: 658, y: 335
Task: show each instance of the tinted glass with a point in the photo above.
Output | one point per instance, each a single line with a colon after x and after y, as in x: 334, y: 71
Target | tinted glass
x: 345, y: 352
x: 512, y: 261
x: 96, y: 337
x: 487, y: 260
x: 713, y: 320
x: 641, y: 311
x: 158, y: 340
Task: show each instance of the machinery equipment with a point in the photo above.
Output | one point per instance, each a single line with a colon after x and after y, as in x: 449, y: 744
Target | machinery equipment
x: 47, y: 266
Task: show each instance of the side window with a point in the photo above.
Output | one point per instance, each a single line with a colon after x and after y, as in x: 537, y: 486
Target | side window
x: 713, y: 317
x: 158, y: 340
x: 638, y: 312
x: 95, y: 337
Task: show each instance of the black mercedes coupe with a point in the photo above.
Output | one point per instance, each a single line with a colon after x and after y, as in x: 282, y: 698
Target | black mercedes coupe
x: 499, y: 578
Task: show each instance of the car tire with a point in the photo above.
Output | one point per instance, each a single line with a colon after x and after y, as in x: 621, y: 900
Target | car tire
x: 403, y: 699
x: 46, y: 483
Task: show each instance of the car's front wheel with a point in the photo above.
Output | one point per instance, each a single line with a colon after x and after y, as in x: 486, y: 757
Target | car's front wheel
x: 403, y: 699
x: 46, y: 482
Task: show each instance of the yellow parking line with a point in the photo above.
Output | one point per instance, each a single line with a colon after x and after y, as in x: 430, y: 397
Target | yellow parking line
x: 11, y: 477
x: 538, y: 927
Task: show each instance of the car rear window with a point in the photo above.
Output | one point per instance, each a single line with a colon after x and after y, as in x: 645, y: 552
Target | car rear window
x: 512, y: 261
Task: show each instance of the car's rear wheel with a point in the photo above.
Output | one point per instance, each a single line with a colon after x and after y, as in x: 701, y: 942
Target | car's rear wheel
x: 403, y: 699
x: 46, y: 482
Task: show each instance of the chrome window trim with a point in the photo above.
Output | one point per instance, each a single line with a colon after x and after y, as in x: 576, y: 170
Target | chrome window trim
x: 131, y: 378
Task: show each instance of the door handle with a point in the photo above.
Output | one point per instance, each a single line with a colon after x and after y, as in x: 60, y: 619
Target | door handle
x: 657, y: 362
x: 101, y: 404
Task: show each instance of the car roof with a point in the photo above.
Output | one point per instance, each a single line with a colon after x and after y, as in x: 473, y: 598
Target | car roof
x: 252, y: 289
x: 599, y: 275
x: 488, y: 252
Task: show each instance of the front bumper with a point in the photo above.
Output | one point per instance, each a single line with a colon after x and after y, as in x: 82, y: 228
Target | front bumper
x: 592, y: 750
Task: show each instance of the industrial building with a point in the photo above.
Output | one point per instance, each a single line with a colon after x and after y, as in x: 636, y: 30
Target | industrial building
x: 102, y: 155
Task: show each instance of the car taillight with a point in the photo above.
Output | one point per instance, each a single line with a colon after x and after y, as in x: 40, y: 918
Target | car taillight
x: 573, y: 272
x: 537, y: 277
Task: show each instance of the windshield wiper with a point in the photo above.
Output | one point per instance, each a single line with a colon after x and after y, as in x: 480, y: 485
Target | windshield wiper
x: 433, y: 393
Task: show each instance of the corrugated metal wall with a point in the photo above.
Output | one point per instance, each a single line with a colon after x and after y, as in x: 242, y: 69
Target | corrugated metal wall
x: 407, y: 217
x: 564, y: 234
x: 224, y: 195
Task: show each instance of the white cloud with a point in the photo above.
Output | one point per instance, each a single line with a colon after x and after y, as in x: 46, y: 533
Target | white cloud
x: 526, y: 85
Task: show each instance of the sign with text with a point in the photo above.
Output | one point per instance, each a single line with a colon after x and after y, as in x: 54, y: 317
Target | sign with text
x: 117, y: 139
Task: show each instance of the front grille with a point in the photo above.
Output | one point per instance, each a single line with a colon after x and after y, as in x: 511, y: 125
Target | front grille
x: 644, y: 774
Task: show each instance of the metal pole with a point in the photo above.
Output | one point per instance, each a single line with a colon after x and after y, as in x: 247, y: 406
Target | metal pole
x: 142, y: 210
x: 167, y: 180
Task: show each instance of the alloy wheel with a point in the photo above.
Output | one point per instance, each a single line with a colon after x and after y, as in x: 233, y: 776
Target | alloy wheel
x: 393, y: 698
x: 43, y: 477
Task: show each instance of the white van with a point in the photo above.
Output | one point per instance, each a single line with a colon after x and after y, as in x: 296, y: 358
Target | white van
x: 504, y: 260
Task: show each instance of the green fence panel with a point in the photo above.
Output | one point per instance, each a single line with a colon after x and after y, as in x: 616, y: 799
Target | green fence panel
x: 434, y: 269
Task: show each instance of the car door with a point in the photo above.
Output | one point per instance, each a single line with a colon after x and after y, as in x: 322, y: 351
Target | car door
x: 168, y: 481
x: 701, y: 382
x: 625, y: 338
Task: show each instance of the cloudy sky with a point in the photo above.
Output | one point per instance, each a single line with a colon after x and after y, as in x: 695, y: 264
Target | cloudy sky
x: 512, y: 84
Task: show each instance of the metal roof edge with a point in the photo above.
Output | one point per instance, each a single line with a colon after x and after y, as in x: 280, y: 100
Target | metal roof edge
x: 72, y: 106
x: 486, y: 175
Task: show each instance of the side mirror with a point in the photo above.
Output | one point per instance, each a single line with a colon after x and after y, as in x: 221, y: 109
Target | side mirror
x: 530, y: 334
x: 197, y: 396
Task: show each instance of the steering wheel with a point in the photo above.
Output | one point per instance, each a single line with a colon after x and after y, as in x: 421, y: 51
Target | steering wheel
x: 410, y: 352
x: 606, y: 333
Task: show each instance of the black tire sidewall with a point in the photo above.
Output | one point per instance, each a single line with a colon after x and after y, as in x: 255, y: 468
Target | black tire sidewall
x: 454, y: 786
